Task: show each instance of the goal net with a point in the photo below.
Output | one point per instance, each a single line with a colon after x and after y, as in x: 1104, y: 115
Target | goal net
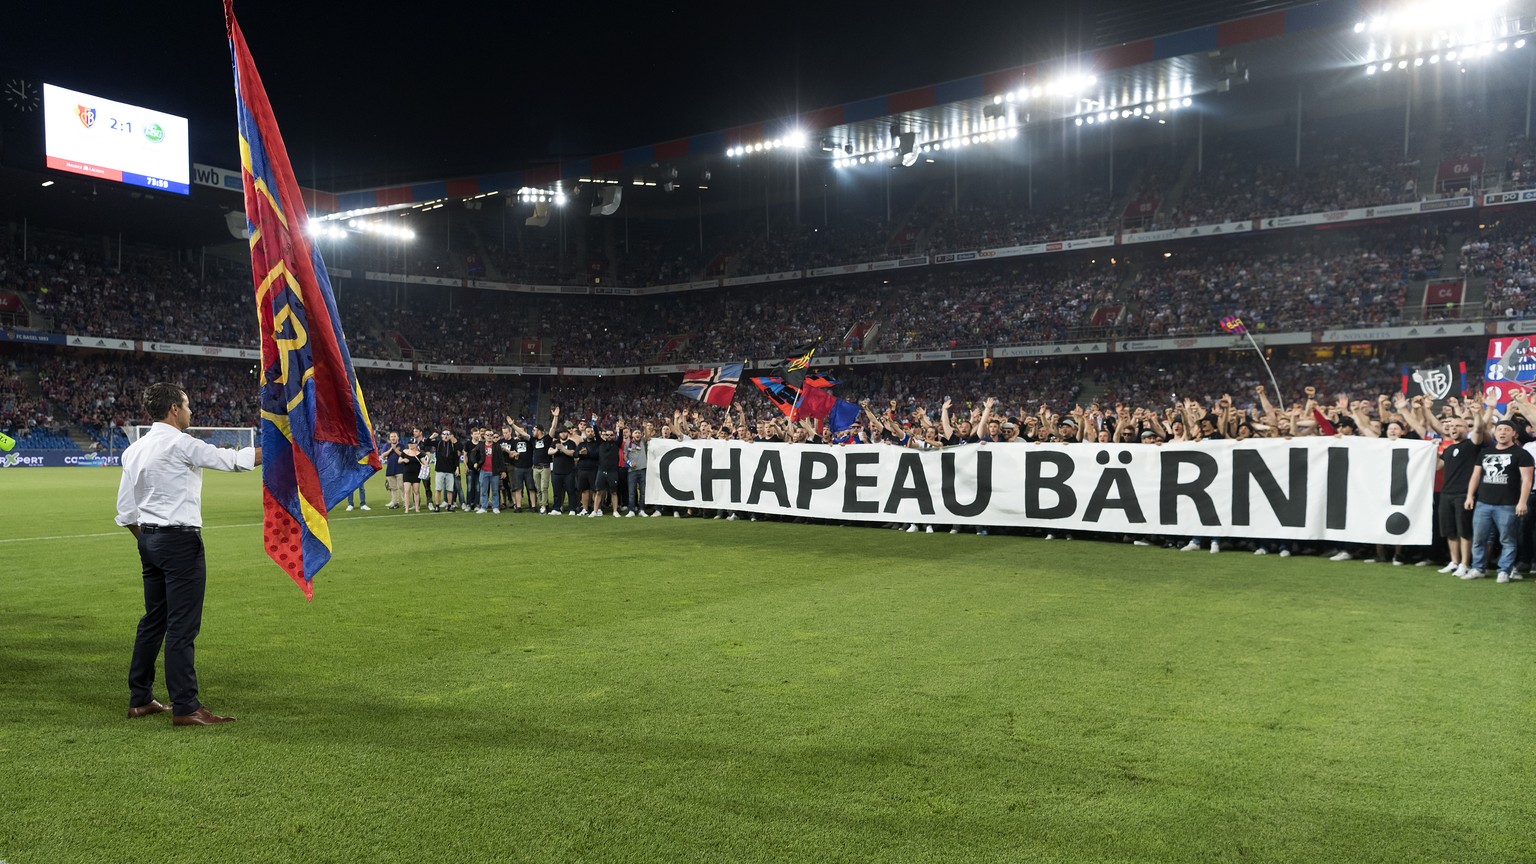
x: 219, y: 436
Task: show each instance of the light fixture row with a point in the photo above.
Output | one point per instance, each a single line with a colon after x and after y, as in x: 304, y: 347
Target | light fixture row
x: 1472, y: 52
x: 1145, y: 112
x: 953, y: 143
x: 794, y: 139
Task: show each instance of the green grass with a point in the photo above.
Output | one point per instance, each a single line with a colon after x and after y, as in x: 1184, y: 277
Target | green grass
x: 525, y: 688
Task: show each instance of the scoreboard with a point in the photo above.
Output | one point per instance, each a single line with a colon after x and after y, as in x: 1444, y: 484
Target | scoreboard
x: 98, y: 137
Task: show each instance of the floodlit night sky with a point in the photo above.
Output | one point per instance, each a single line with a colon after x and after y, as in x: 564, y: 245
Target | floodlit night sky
x: 369, y: 96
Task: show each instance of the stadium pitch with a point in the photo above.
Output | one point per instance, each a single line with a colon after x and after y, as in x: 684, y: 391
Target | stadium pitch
x: 531, y: 688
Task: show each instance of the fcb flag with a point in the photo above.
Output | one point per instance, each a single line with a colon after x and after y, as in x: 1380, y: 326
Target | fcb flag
x: 780, y: 394
x: 715, y: 386
x: 812, y: 402
x: 1233, y: 324
x: 317, y: 441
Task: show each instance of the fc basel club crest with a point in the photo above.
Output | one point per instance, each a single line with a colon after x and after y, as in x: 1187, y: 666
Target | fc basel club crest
x: 87, y: 116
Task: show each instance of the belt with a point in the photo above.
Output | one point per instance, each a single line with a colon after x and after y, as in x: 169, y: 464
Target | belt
x: 152, y: 529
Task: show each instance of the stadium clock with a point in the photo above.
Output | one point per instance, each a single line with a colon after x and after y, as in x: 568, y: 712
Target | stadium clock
x: 21, y: 94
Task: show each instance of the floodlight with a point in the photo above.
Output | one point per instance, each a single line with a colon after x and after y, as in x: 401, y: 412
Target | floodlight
x: 1079, y: 121
x: 1503, y: 46
x: 1418, y: 61
x: 1008, y: 97
x: 1402, y: 64
x: 1013, y: 133
x: 1371, y: 69
x: 1519, y: 43
x: 1359, y: 26
x: 1188, y: 102
x: 795, y: 138
x: 997, y: 100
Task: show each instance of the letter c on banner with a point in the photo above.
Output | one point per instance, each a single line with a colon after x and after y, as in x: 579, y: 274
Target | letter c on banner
x: 664, y: 471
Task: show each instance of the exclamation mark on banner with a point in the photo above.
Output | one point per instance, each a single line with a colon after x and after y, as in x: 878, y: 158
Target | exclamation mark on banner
x: 1398, y: 523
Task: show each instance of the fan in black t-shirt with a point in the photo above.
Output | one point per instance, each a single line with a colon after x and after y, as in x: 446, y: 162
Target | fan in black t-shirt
x: 1497, y: 493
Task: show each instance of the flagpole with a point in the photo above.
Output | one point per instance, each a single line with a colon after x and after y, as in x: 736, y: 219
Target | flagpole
x: 1262, y: 359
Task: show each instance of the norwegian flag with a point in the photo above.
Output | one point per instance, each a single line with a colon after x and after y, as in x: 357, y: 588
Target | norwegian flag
x: 713, y: 386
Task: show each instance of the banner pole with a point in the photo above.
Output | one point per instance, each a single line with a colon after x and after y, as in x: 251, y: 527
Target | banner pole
x: 1279, y: 399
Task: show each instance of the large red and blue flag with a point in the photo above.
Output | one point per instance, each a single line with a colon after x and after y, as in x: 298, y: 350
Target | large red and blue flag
x: 317, y: 441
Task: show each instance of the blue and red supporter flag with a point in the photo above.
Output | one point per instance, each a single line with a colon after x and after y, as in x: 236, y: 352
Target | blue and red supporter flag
x: 776, y: 391
x: 814, y: 402
x: 714, y: 386
x: 1233, y: 324
x: 317, y: 441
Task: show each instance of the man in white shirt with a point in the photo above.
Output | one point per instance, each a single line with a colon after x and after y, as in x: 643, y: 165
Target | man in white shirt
x: 160, y: 501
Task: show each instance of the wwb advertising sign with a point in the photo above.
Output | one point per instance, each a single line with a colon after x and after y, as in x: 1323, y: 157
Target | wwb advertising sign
x: 1363, y: 490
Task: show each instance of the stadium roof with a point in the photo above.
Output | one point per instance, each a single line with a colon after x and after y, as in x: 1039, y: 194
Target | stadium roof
x: 1153, y: 74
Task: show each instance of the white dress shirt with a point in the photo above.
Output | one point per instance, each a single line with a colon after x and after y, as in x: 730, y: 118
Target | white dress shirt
x: 163, y: 476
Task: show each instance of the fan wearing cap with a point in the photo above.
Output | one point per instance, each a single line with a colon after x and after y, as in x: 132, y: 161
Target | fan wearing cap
x: 541, y: 444
x: 1497, y: 496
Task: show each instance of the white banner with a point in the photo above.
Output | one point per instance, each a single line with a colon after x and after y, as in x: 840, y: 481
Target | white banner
x: 1522, y: 196
x: 1215, y: 229
x: 1359, y: 490
x: 107, y: 342
x: 201, y: 350
x: 1050, y: 350
x: 368, y: 363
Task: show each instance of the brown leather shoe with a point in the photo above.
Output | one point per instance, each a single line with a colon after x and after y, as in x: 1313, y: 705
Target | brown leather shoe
x: 200, y: 717
x: 148, y: 708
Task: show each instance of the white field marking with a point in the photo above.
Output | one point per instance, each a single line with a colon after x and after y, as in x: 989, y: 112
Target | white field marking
x: 121, y: 531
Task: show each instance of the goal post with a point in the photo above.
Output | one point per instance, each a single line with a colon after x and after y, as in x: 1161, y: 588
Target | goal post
x: 234, y: 437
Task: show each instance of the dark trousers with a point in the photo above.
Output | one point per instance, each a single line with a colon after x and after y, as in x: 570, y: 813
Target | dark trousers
x: 564, y: 491
x: 471, y: 486
x: 174, y: 578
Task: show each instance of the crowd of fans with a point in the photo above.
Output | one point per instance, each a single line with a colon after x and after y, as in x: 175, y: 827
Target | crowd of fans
x: 1147, y: 399
x: 1295, y: 281
x: 1303, y: 282
x: 1503, y: 253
